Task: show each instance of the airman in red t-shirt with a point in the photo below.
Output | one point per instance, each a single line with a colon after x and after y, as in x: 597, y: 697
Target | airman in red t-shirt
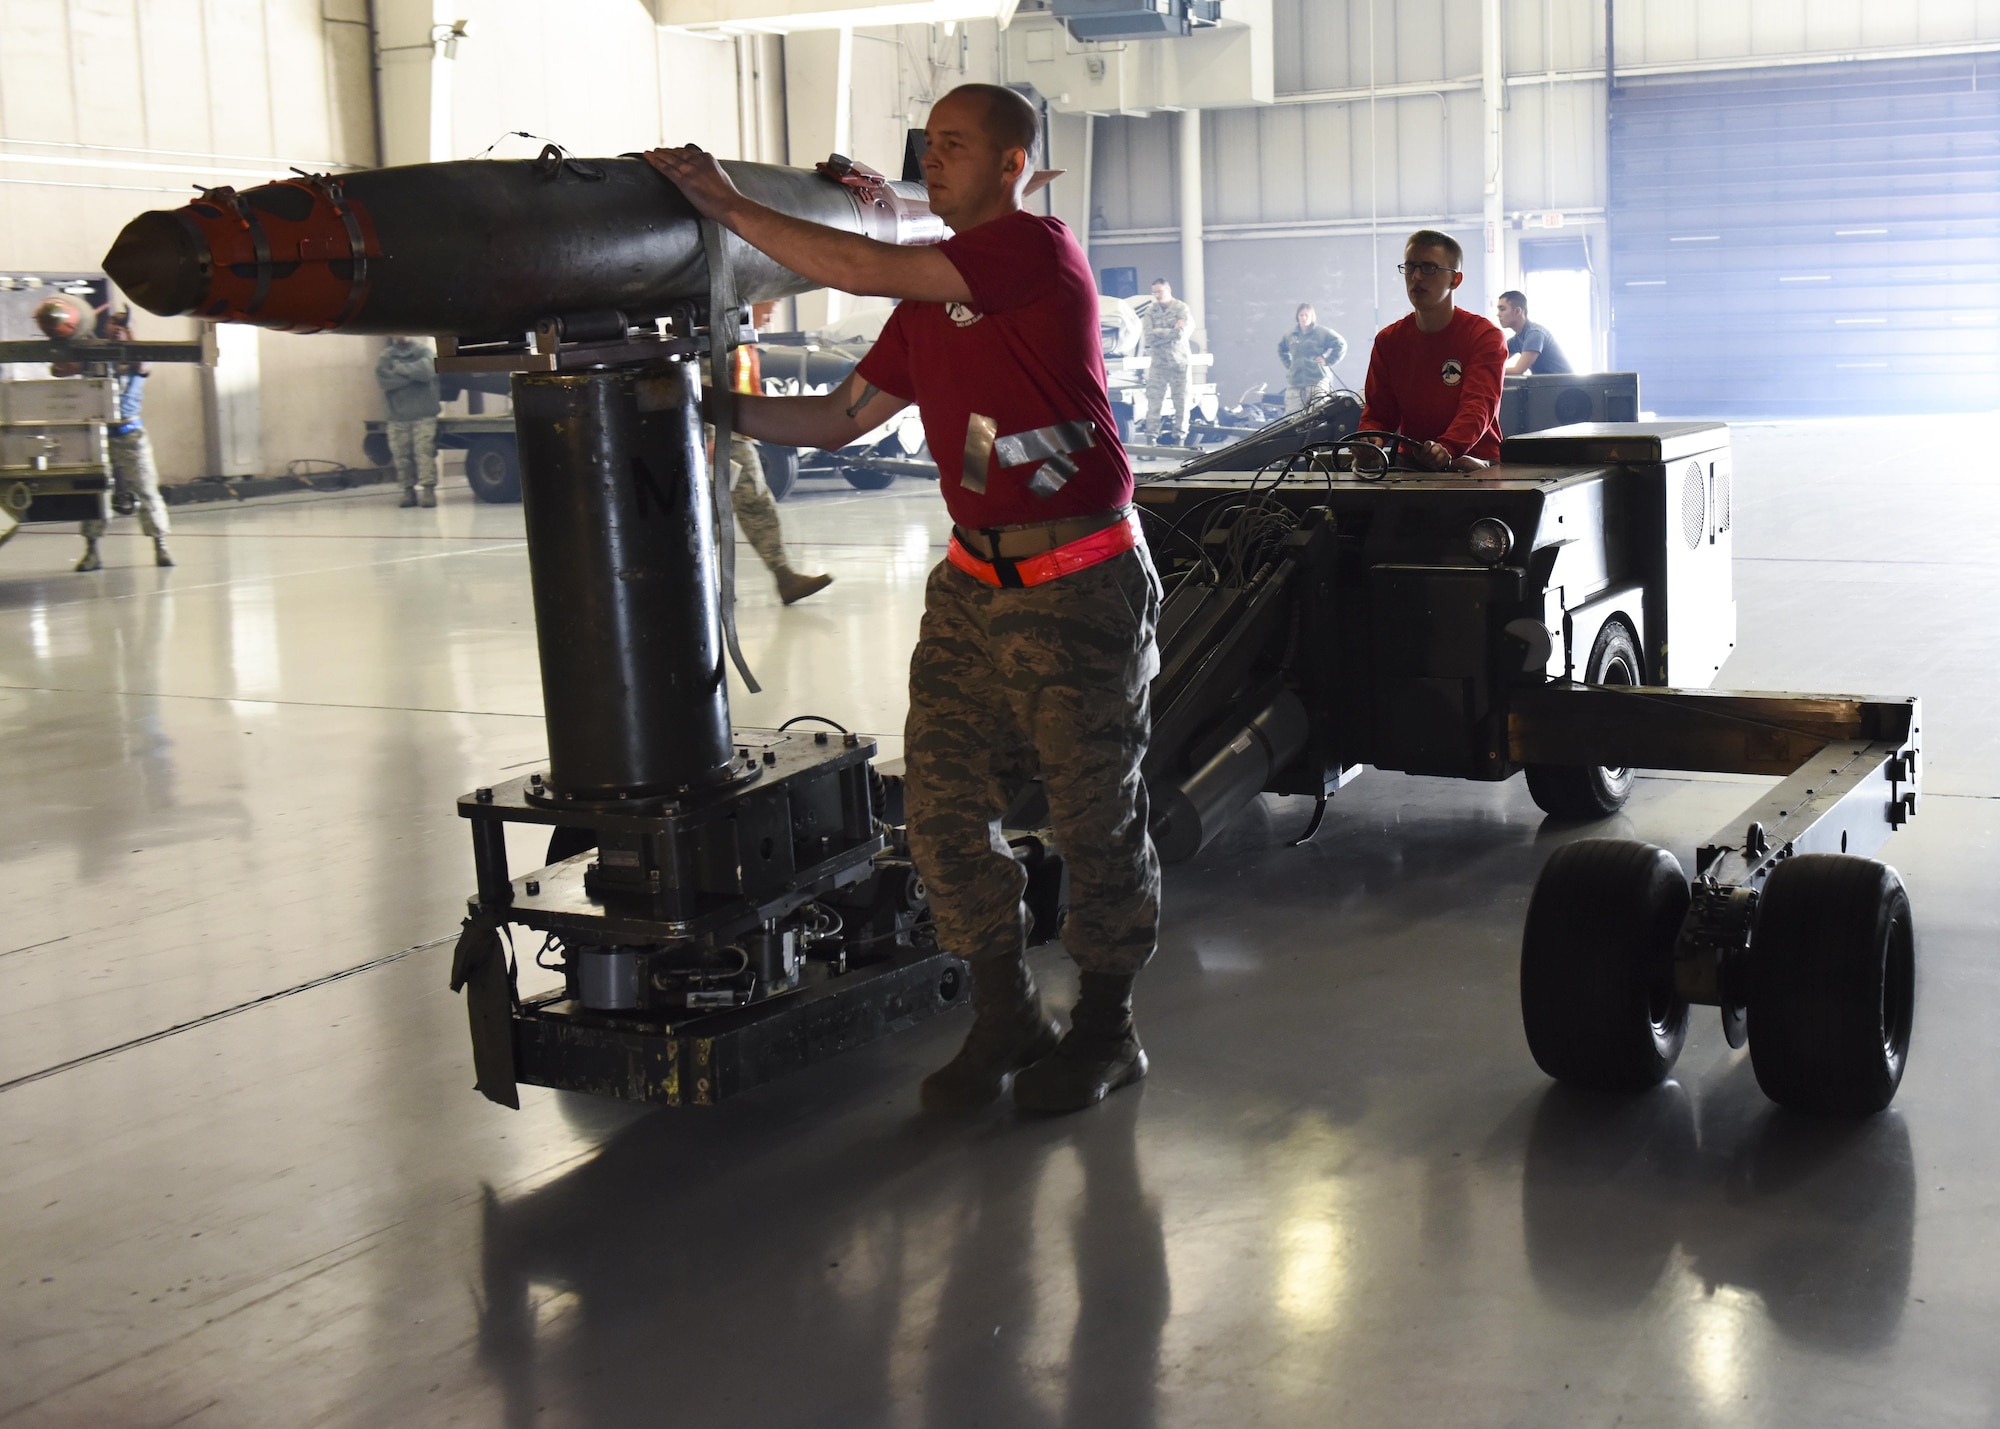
x: 1036, y: 651
x: 1435, y: 377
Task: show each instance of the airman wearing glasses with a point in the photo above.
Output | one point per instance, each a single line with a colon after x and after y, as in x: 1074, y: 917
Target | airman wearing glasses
x: 1436, y: 375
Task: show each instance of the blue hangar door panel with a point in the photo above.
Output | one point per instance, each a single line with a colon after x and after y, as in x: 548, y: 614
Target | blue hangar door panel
x: 1812, y: 240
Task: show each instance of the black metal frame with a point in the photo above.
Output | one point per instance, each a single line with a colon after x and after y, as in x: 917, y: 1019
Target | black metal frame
x: 875, y: 984
x: 701, y: 1060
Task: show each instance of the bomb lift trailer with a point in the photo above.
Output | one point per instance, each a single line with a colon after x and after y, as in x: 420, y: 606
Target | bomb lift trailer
x: 1562, y: 614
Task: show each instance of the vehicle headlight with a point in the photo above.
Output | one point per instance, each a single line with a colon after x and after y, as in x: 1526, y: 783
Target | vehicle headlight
x: 1490, y: 541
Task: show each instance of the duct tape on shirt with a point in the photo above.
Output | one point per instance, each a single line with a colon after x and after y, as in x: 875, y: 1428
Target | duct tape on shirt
x: 1052, y: 446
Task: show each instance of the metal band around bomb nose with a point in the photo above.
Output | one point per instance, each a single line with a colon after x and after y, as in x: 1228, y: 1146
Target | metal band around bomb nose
x: 260, y: 243
x: 357, y: 251
x: 1050, y: 445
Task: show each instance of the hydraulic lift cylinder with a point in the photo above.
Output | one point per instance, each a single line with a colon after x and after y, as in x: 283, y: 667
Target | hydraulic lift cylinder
x: 1187, y: 815
x: 621, y: 551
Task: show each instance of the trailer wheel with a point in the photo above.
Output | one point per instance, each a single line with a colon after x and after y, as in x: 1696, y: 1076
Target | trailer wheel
x: 781, y: 468
x: 1832, y: 984
x: 864, y: 480
x: 1598, y: 1000
x: 493, y: 468
x: 1577, y: 791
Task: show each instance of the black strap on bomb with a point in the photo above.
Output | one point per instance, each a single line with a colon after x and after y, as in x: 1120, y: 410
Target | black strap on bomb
x: 721, y: 322
x: 357, y: 256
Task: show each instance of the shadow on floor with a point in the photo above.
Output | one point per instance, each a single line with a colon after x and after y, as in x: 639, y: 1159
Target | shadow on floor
x: 1815, y: 1216
x: 889, y: 1269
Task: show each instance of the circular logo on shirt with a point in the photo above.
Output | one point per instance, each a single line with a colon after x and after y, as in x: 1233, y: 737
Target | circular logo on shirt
x: 1454, y: 371
x: 961, y: 314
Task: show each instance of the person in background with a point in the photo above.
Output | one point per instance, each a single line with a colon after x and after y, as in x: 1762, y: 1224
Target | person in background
x: 408, y: 378
x: 750, y: 496
x: 1532, y: 348
x: 135, y: 479
x: 1167, y: 353
x: 1435, y: 376
x: 1309, y: 353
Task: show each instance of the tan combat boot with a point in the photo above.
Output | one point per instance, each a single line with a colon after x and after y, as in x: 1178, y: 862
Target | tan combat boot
x: 793, y: 587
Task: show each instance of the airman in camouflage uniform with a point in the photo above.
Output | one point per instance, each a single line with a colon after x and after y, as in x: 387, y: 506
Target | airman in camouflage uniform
x: 407, y: 375
x: 757, y: 519
x: 750, y: 495
x: 1007, y: 684
x: 1309, y: 353
x: 1167, y: 352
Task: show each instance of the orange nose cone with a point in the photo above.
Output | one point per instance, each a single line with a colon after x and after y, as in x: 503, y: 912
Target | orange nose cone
x: 160, y: 262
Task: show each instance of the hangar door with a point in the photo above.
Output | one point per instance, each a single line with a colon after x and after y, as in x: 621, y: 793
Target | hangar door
x: 1812, y: 241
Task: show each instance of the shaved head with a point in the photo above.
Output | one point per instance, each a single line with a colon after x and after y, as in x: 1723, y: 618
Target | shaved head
x: 979, y: 153
x: 1008, y: 119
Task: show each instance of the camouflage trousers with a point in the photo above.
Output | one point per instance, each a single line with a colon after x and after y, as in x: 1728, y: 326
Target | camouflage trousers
x: 1165, y: 380
x: 134, y: 479
x: 750, y: 499
x: 1009, y: 684
x: 413, y: 446
x: 1297, y: 399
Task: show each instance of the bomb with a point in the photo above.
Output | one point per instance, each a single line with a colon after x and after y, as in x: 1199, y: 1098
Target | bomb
x: 481, y: 248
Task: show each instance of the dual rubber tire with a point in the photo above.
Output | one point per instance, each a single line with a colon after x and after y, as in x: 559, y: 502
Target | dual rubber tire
x: 1832, y: 985
x: 1831, y: 975
x: 1597, y: 965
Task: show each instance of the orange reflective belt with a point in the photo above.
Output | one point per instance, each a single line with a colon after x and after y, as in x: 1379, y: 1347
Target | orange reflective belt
x: 1078, y: 555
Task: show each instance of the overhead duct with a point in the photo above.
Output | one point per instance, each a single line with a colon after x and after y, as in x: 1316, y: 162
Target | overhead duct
x: 1226, y: 64
x: 1088, y: 20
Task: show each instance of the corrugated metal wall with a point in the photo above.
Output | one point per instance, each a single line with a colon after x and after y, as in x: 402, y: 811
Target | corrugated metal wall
x: 1816, y: 240
x: 1309, y: 198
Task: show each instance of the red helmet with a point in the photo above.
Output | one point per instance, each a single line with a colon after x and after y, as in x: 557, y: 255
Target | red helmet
x: 60, y: 316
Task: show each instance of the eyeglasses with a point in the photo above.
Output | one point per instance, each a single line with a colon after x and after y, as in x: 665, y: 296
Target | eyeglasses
x: 1429, y: 270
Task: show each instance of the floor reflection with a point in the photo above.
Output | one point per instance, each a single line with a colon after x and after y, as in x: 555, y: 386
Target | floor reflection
x: 913, y: 1277
x: 1814, y: 1217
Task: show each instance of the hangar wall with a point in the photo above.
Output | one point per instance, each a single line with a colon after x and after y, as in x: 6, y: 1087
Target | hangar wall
x: 1377, y: 130
x: 108, y: 107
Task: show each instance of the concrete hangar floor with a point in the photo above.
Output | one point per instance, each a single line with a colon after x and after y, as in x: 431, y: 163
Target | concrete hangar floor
x: 1345, y: 1195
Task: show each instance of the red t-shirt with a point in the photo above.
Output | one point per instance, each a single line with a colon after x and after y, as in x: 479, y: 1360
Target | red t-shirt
x: 1439, y: 386
x: 1025, y: 353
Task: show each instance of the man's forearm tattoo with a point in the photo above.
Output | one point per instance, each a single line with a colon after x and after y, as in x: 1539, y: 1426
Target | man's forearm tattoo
x: 868, y: 392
